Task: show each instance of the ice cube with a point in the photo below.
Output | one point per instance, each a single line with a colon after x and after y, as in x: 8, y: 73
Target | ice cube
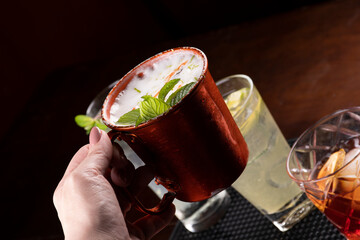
x: 347, y: 179
x: 352, y: 158
x: 352, y: 167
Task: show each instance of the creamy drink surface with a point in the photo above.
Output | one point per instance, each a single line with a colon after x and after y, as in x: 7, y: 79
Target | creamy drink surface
x: 185, y: 65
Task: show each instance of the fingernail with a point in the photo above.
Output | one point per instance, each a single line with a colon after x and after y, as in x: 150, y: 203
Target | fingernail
x: 95, y: 135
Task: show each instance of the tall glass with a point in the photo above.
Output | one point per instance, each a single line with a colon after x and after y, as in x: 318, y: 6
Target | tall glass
x: 264, y: 182
x: 195, y: 216
x: 325, y: 163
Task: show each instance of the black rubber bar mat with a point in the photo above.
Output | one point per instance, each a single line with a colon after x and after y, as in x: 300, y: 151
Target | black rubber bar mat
x: 243, y: 221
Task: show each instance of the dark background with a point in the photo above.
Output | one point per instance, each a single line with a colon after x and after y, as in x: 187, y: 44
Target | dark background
x: 56, y: 55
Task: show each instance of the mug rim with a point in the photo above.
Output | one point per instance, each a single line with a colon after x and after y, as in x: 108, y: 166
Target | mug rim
x: 309, y: 130
x: 101, y: 96
x: 112, y: 94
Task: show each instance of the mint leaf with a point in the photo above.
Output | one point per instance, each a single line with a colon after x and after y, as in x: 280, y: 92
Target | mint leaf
x: 152, y: 107
x: 179, y: 94
x: 139, y: 121
x: 84, y: 121
x: 129, y: 118
x: 88, y: 123
x: 168, y: 101
x: 89, y: 127
x: 167, y: 88
x: 100, y: 124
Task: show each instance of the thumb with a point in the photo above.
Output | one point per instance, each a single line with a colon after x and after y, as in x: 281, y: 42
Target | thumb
x: 100, y: 150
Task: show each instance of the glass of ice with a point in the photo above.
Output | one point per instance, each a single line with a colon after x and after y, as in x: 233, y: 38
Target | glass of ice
x: 325, y: 163
x: 264, y: 182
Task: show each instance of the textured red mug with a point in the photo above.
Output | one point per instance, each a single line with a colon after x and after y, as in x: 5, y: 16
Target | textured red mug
x: 195, y: 149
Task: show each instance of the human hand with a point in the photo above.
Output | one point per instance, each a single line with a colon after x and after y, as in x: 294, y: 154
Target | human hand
x: 88, y: 198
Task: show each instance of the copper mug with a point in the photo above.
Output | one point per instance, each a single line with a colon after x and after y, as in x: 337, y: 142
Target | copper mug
x: 195, y: 149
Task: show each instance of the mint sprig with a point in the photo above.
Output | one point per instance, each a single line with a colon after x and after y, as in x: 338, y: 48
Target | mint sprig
x: 129, y: 118
x: 88, y: 123
x: 152, y: 107
x: 167, y: 88
x: 179, y: 94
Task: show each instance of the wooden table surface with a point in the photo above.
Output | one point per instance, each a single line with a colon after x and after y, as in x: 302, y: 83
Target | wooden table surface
x: 305, y: 63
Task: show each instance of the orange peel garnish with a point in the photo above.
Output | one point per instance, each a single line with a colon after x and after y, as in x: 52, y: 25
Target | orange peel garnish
x: 334, y: 163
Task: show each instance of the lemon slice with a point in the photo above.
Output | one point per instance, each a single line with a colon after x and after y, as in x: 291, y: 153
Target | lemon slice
x: 236, y: 100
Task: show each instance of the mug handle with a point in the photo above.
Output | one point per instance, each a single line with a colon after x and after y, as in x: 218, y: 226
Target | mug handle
x: 165, y: 202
